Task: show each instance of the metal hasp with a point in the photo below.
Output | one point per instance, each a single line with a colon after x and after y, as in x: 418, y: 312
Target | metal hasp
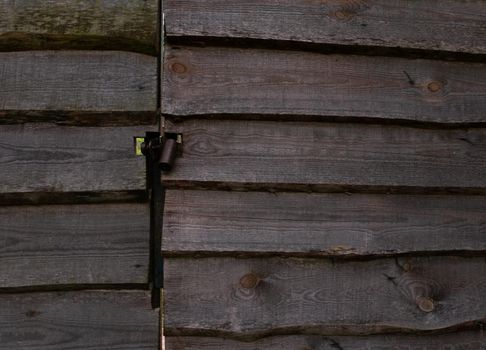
x: 160, y: 153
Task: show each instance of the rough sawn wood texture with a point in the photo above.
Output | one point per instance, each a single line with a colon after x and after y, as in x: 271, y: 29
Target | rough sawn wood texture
x: 250, y: 223
x: 449, y: 25
x: 129, y: 25
x: 52, y: 245
x: 256, y: 82
x: 115, y: 320
x: 251, y: 298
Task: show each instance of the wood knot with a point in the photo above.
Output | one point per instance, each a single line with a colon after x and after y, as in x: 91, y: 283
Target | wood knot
x: 250, y: 281
x: 434, y: 86
x: 343, y: 15
x: 178, y: 67
x: 425, y: 304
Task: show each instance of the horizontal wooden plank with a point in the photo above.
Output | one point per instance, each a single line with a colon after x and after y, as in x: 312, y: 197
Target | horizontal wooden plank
x: 49, y: 159
x: 78, y: 320
x: 77, y: 24
x: 214, y: 222
x: 80, y: 81
x: 74, y: 244
x: 252, y: 298
x: 472, y: 340
x: 451, y: 25
x: 321, y: 156
x: 231, y: 81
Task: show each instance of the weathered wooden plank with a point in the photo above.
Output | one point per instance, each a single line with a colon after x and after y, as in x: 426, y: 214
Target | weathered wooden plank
x: 214, y: 222
x: 74, y: 244
x: 251, y: 298
x: 451, y: 25
x: 78, y: 320
x: 471, y: 340
x: 298, y: 84
x: 328, y: 157
x: 47, y: 159
x: 79, y: 24
x: 77, y: 81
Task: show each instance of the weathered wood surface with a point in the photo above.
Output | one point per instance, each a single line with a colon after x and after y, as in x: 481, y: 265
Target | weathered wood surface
x: 214, y: 222
x: 74, y: 245
x: 45, y: 158
x: 80, y: 81
x: 451, y: 25
x: 129, y: 25
x: 470, y: 340
x: 119, y: 320
x: 230, y: 81
x: 322, y: 156
x: 251, y: 298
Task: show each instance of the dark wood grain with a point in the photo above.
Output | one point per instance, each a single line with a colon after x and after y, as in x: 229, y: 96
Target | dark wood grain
x: 77, y: 81
x: 74, y: 244
x: 206, y: 296
x: 451, y: 25
x: 79, y: 24
x: 321, y: 156
x: 296, y: 84
x: 472, y: 340
x: 44, y: 158
x: 120, y: 320
x: 217, y: 222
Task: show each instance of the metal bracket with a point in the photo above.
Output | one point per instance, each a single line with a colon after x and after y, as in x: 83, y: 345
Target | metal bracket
x: 160, y: 153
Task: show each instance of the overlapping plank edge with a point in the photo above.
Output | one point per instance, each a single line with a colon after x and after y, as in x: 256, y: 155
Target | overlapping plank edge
x: 64, y: 245
x: 78, y: 320
x: 101, y: 85
x: 231, y: 81
x: 77, y: 24
x: 241, y: 298
x: 454, y: 26
x: 300, y: 224
x: 471, y: 340
x: 295, y: 156
x: 39, y: 161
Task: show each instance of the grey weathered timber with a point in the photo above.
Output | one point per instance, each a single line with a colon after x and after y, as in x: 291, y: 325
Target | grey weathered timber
x: 74, y: 245
x: 79, y: 24
x: 216, y: 222
x: 328, y: 156
x: 45, y: 158
x: 79, y: 81
x: 451, y: 25
x: 470, y: 340
x: 296, y: 84
x: 120, y: 320
x: 251, y: 298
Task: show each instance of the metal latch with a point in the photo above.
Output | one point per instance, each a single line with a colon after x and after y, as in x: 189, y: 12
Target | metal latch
x: 160, y: 152
x: 163, y: 149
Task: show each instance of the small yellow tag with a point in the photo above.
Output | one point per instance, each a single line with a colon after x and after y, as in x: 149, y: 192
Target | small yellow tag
x: 138, y: 145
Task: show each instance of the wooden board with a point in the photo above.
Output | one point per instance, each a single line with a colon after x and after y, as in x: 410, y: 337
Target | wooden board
x: 294, y: 85
x: 49, y: 159
x: 80, y: 81
x: 213, y: 223
x: 452, y: 25
x: 252, y: 298
x: 472, y: 340
x: 78, y: 320
x: 320, y: 156
x: 79, y: 24
x: 74, y: 245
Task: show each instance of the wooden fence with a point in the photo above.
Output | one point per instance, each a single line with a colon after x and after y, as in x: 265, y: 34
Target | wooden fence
x: 330, y: 191
x: 78, y: 80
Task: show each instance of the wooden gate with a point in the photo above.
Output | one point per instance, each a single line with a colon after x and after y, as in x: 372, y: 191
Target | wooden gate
x: 330, y: 190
